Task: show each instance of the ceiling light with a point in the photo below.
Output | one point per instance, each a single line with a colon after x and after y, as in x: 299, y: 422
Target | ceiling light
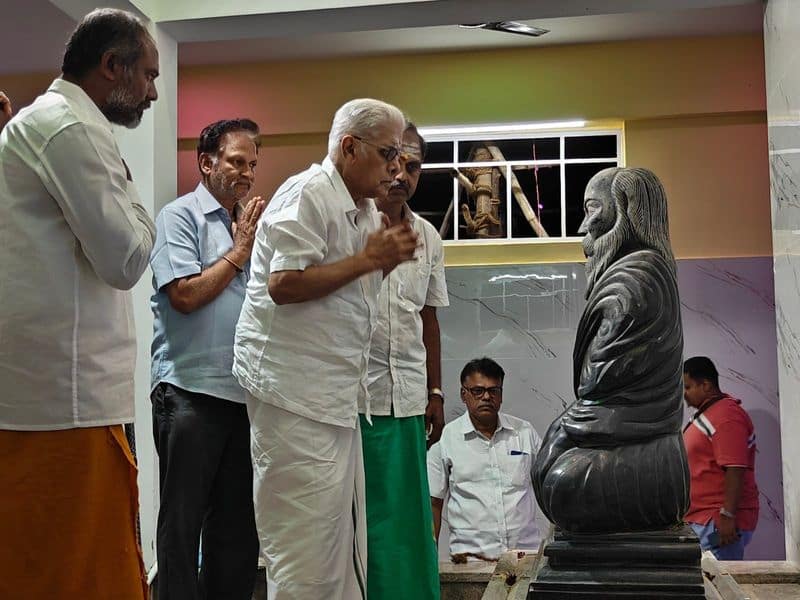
x: 508, y: 27
x: 500, y: 128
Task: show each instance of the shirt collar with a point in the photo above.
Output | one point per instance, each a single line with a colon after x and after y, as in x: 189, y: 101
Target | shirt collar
x: 208, y: 204
x: 343, y: 199
x: 78, y: 95
x: 409, y: 214
x: 467, y: 427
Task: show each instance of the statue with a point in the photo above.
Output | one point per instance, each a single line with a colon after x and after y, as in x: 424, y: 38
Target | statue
x: 614, y: 461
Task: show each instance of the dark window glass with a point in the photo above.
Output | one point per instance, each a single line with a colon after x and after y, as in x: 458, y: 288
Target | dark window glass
x: 433, y: 197
x: 546, y: 204
x: 577, y: 176
x: 543, y: 148
x: 591, y: 146
x: 439, y: 152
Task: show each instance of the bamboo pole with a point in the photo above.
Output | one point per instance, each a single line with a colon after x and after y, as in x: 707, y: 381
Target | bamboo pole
x: 519, y: 195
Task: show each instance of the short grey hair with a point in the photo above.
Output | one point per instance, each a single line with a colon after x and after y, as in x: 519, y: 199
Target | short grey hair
x: 359, y: 117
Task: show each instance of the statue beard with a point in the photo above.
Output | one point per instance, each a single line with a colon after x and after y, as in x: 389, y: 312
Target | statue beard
x: 603, y: 251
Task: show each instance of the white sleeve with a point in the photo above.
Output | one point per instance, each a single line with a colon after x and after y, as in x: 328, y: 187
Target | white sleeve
x: 437, y: 286
x: 438, y: 474
x: 297, y: 235
x: 83, y: 171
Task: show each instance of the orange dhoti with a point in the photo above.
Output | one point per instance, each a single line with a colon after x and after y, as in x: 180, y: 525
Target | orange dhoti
x: 68, y: 512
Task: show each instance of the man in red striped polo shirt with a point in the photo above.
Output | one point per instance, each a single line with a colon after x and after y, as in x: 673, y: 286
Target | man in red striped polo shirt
x: 721, y: 447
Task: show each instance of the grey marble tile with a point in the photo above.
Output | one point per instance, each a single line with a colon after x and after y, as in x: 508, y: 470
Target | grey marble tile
x: 525, y: 317
x: 782, y: 68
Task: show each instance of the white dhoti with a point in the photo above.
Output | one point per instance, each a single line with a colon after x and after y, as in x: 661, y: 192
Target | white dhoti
x: 308, y: 487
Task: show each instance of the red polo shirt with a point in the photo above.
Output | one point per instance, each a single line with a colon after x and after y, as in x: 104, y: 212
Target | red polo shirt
x: 721, y: 436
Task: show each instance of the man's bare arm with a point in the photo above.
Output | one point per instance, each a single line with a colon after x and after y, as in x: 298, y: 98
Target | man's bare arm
x: 191, y: 293
x: 436, y: 506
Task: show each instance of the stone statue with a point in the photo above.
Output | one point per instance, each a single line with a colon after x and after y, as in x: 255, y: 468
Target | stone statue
x: 614, y: 461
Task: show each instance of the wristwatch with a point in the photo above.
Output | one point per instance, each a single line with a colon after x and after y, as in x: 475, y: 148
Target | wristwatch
x: 726, y: 513
x: 436, y: 392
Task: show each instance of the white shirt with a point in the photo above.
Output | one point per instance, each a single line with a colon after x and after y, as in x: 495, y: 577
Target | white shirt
x: 397, y: 372
x: 73, y: 240
x: 490, y: 505
x: 309, y: 358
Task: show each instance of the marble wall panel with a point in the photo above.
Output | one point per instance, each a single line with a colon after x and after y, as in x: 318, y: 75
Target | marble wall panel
x: 782, y: 58
x: 525, y: 317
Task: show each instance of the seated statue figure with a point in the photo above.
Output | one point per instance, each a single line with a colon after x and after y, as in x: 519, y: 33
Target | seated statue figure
x: 614, y: 461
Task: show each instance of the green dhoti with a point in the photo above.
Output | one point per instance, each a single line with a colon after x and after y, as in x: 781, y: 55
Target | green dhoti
x: 402, y: 561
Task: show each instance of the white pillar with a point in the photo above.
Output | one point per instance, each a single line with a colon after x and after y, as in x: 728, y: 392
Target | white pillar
x: 782, y: 56
x: 151, y: 153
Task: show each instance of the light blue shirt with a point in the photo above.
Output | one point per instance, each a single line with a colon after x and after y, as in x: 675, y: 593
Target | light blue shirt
x: 195, y: 351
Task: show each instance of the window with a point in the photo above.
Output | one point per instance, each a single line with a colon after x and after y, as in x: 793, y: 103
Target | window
x: 510, y: 186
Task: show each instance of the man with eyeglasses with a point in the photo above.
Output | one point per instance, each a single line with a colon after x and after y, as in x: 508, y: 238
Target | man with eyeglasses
x: 482, y: 466
x: 302, y: 347
x: 406, y: 401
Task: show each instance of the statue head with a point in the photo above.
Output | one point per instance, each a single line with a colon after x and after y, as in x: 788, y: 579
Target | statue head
x: 625, y: 210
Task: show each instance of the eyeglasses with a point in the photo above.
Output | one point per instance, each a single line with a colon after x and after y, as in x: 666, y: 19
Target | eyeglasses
x: 479, y: 391
x: 389, y: 153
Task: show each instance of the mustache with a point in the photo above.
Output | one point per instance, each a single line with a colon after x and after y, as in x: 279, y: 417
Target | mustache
x: 399, y: 185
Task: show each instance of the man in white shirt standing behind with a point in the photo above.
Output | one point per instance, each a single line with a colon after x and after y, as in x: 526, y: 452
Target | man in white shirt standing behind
x: 75, y: 239
x: 482, y: 465
x: 301, y: 351
x: 406, y: 400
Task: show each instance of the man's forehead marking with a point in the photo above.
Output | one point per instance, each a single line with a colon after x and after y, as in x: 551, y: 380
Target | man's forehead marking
x: 412, y: 148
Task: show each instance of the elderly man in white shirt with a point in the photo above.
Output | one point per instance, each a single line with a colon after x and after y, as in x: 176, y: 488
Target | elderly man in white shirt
x: 481, y: 467
x: 75, y: 240
x: 301, y: 351
x: 406, y: 401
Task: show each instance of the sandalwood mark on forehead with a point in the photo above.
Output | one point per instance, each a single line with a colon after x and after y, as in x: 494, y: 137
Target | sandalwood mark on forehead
x: 412, y: 148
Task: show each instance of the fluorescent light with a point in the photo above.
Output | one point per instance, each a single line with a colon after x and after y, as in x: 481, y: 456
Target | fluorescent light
x: 500, y: 128
x: 497, y: 278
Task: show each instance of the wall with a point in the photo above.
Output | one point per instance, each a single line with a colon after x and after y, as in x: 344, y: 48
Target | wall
x: 694, y: 113
x: 526, y: 316
x: 23, y: 88
x: 781, y: 26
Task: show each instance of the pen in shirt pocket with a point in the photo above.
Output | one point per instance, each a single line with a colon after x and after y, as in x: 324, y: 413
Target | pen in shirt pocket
x: 517, y: 453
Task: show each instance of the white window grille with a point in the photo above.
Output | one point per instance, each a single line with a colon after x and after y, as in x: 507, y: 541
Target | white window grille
x: 532, y: 183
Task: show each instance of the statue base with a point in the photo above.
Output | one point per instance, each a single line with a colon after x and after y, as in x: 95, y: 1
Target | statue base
x: 624, y: 566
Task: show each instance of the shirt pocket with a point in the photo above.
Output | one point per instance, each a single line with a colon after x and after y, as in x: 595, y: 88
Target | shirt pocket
x: 516, y: 468
x: 413, y: 286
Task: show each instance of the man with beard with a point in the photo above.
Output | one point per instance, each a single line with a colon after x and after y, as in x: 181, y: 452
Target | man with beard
x: 301, y: 351
x: 406, y: 399
x: 202, y: 435
x: 75, y: 240
x: 614, y: 460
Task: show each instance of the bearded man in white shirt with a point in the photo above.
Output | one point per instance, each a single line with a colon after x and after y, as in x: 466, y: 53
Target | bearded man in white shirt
x: 301, y: 351
x: 406, y: 400
x: 75, y: 240
x: 482, y: 467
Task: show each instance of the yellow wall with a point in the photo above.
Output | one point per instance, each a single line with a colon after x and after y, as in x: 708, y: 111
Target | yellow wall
x: 694, y: 111
x: 23, y: 88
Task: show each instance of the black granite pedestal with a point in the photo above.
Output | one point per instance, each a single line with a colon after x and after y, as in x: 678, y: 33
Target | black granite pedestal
x: 624, y: 566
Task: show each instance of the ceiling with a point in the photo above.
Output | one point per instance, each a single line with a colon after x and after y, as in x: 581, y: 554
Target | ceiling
x: 40, y: 22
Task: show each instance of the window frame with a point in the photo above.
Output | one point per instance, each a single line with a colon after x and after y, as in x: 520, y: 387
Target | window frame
x: 588, y: 130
